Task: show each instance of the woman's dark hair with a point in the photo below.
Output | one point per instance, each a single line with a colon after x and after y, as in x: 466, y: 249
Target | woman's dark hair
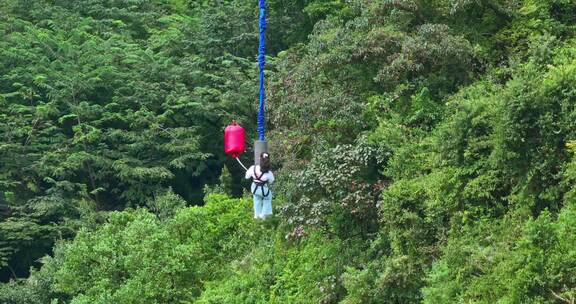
x: 264, y: 162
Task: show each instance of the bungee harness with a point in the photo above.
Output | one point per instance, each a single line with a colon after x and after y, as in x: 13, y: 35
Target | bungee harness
x: 257, y: 180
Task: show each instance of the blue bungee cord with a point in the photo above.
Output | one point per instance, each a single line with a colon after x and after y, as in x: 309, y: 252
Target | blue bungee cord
x: 261, y: 63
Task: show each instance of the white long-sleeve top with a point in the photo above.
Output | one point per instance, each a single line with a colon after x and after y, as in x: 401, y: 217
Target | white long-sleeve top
x: 254, y: 171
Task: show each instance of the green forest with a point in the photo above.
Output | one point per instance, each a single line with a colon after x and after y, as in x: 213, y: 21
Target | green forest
x: 424, y: 152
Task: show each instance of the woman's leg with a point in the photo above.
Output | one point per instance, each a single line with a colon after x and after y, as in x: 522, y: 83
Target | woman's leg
x: 267, y: 205
x: 257, y: 201
x: 257, y: 206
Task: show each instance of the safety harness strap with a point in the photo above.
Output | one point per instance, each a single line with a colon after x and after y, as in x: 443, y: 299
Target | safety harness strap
x: 260, y: 184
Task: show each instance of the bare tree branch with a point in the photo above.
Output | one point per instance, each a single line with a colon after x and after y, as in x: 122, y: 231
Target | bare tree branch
x: 558, y: 297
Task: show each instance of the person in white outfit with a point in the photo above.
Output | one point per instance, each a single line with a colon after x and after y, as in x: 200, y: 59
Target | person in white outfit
x: 262, y: 177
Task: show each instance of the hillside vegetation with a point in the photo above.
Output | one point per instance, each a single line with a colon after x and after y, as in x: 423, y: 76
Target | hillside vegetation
x: 424, y: 150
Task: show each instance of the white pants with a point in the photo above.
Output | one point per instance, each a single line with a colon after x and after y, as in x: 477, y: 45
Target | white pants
x: 262, y: 202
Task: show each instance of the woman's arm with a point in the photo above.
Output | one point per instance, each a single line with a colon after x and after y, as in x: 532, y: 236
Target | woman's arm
x: 249, y: 172
x: 270, y: 177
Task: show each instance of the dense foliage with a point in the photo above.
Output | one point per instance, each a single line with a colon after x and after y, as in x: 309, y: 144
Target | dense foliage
x: 106, y: 104
x: 425, y: 152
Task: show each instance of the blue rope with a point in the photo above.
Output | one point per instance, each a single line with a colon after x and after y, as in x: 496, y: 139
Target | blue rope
x: 261, y: 64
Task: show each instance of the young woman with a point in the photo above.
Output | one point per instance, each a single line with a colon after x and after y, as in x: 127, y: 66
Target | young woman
x: 261, y: 177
